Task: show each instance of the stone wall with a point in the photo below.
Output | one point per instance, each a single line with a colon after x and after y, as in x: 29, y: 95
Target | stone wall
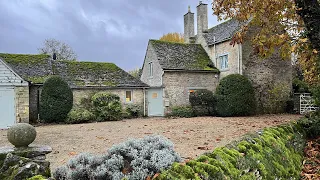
x: 22, y: 104
x: 233, y: 53
x: 271, y: 77
x: 137, y: 95
x: 156, y: 79
x: 177, y: 85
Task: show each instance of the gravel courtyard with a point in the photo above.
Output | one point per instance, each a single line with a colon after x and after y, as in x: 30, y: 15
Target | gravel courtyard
x: 191, y: 136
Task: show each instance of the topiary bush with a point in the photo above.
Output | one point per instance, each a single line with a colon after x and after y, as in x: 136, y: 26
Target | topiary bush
x: 107, y: 107
x: 202, y: 102
x: 133, y: 111
x: 274, y: 153
x: 181, y: 111
x: 79, y: 115
x: 235, y: 96
x: 56, y: 100
x: 133, y: 159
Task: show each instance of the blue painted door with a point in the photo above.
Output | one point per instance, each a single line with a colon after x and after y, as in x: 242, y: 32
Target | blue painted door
x: 155, y: 102
x: 7, y: 107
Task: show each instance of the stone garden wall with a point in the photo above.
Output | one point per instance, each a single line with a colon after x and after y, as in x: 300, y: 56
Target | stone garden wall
x: 22, y: 104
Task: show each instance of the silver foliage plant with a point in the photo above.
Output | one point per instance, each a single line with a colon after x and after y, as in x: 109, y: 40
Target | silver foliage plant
x: 134, y: 159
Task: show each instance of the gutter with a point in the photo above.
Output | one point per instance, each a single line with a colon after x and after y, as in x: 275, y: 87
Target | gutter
x: 183, y: 70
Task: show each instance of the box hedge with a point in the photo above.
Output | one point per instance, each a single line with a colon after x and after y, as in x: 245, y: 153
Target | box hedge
x: 56, y: 100
x: 235, y: 96
x: 274, y: 153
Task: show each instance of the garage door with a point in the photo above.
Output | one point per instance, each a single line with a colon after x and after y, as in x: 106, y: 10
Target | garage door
x: 7, y: 107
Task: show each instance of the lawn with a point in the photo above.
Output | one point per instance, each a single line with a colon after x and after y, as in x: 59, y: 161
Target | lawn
x: 191, y: 136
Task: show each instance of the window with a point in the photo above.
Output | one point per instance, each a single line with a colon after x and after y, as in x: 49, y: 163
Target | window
x: 150, y: 69
x: 128, y: 96
x: 223, y: 62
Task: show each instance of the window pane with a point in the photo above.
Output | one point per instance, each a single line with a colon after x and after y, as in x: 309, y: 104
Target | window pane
x: 128, y: 96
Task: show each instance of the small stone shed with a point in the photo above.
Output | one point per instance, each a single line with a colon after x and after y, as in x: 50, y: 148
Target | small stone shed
x: 28, y: 73
x: 173, y: 71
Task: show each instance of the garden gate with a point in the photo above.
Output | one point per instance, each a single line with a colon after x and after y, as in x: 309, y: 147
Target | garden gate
x: 307, y: 103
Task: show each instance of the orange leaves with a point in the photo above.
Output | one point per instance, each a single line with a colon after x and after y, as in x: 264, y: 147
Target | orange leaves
x: 172, y: 37
x: 311, y: 164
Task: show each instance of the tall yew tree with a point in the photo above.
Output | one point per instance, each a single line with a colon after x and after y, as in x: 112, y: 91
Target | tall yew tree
x: 300, y: 19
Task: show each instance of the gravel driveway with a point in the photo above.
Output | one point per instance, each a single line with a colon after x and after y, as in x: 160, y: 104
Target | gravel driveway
x: 191, y: 136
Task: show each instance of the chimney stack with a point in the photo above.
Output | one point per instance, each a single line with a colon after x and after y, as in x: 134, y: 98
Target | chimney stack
x: 188, y: 26
x: 202, y: 17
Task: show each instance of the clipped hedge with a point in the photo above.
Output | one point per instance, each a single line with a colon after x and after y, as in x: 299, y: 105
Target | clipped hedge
x: 79, y: 115
x: 202, y: 102
x: 274, y: 153
x: 235, y: 96
x: 56, y: 100
x: 181, y: 111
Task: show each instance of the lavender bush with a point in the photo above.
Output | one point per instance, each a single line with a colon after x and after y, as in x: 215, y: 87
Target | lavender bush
x: 133, y: 159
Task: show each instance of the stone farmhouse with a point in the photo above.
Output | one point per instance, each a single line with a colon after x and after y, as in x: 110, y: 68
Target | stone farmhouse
x: 174, y: 70
x: 22, y: 77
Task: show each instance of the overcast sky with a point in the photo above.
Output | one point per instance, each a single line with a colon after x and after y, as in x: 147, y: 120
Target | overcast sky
x: 98, y: 30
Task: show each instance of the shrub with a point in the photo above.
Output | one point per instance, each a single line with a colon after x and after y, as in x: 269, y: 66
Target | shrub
x: 299, y: 86
x: 86, y: 102
x: 316, y: 94
x: 274, y: 153
x: 311, y: 123
x: 235, y: 96
x: 79, y: 115
x: 107, y: 107
x: 133, y: 111
x: 56, y: 100
x: 133, y: 159
x: 181, y: 111
x: 202, y: 102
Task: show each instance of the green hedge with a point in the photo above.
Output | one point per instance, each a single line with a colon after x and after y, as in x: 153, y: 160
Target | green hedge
x: 274, y: 153
x: 56, y: 100
x: 202, y: 102
x: 235, y: 96
x: 181, y: 111
x: 107, y: 107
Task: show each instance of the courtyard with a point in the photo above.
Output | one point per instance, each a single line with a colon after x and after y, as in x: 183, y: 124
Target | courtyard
x: 191, y: 136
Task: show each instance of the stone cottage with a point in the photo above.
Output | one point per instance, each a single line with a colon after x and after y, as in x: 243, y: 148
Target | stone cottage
x: 22, y: 77
x: 271, y: 77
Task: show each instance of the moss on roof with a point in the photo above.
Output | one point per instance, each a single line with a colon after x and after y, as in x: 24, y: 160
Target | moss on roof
x: 37, y: 68
x: 24, y: 58
x: 182, y: 56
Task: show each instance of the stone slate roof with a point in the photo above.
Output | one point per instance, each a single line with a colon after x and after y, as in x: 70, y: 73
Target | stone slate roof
x: 180, y: 56
x: 37, y: 68
x: 222, y: 32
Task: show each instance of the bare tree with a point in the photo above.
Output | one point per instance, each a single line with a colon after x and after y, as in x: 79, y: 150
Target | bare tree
x: 63, y: 51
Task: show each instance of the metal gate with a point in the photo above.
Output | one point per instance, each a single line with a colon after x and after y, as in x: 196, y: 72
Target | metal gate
x: 307, y: 103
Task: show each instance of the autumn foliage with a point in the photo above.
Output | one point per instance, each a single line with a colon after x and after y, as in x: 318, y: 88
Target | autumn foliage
x: 172, y: 37
x: 284, y: 24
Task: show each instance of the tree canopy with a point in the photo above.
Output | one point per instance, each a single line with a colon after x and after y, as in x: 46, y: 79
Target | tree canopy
x: 62, y: 50
x: 299, y: 20
x: 173, y: 37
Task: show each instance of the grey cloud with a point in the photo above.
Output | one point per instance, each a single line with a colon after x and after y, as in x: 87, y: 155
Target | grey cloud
x: 98, y: 30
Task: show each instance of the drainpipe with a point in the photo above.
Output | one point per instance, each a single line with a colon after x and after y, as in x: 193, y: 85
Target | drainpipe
x: 238, y: 58
x: 144, y: 101
x: 215, y: 51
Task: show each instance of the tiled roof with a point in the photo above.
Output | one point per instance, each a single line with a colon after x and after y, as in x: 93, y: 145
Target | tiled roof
x: 37, y: 68
x: 222, y: 32
x: 180, y: 56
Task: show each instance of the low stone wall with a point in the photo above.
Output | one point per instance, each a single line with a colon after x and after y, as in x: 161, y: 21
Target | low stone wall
x: 22, y: 104
x: 273, y: 153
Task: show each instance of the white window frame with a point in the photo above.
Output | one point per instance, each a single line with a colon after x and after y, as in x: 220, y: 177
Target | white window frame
x: 125, y: 96
x: 150, y: 69
x: 224, y: 62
